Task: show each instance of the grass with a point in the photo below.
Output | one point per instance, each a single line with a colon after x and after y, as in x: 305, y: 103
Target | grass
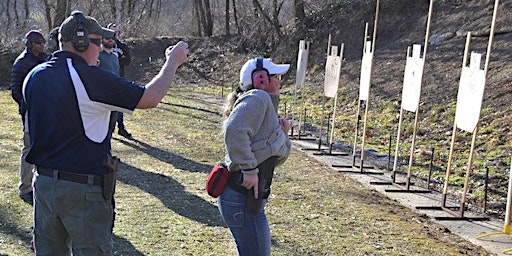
x: 162, y: 208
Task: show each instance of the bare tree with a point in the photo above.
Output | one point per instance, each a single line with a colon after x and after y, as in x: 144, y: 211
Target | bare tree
x: 227, y: 17
x: 235, y: 17
x: 131, y: 7
x: 47, y: 14
x: 272, y: 20
x: 16, y: 16
x: 256, y: 20
x: 300, y: 15
x: 8, y: 15
x: 113, y: 9
x: 198, y: 10
x: 208, y: 18
x: 62, y: 10
x: 204, y: 17
x: 27, y: 15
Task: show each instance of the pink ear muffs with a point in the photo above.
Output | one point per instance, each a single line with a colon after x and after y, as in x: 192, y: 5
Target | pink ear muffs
x: 260, y: 79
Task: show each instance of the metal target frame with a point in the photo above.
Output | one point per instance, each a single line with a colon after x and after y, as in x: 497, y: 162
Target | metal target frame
x: 331, y: 85
x: 412, y: 82
x: 364, y: 94
x: 302, y: 61
x: 457, y: 212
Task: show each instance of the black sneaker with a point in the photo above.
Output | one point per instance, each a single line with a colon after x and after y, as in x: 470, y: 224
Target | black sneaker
x: 124, y: 133
x: 28, y: 198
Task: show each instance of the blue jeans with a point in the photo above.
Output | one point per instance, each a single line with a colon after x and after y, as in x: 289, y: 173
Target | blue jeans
x: 250, y: 231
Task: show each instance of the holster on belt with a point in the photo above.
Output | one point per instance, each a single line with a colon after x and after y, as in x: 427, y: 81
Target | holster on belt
x: 254, y: 204
x: 109, y: 179
x: 265, y: 175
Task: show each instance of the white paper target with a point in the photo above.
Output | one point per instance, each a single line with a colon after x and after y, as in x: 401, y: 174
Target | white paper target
x: 469, y: 97
x: 302, y: 62
x: 366, y: 70
x: 332, y: 76
x: 413, y: 74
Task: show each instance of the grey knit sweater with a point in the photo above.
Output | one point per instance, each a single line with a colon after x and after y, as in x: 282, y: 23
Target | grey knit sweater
x: 252, y: 132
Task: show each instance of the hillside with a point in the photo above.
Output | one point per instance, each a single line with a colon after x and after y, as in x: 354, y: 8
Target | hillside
x: 401, y: 23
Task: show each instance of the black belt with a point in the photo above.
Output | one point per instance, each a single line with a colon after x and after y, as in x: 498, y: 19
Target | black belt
x: 234, y: 183
x: 73, y: 177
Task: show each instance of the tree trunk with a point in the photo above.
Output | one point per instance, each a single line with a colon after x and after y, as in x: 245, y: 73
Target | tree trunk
x: 27, y: 15
x: 113, y: 10
x: 300, y: 15
x: 235, y: 17
x: 150, y: 12
x: 16, y: 16
x: 208, y: 25
x: 47, y: 14
x: 61, y: 12
x: 158, y: 9
x: 197, y: 13
x: 8, y: 14
x: 131, y: 8
x: 227, y: 18
x: 274, y: 20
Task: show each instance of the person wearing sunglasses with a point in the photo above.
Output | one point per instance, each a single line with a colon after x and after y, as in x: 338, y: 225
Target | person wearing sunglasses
x: 32, y: 55
x: 69, y: 101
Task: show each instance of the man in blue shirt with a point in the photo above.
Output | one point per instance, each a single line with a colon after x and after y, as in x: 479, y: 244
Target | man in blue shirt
x: 108, y: 60
x: 69, y: 100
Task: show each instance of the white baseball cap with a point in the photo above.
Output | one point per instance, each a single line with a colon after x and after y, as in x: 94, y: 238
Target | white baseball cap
x: 249, y: 66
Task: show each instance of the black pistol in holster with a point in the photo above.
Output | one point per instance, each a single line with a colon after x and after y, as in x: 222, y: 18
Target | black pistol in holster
x: 109, y: 179
x: 254, y: 204
x: 265, y: 176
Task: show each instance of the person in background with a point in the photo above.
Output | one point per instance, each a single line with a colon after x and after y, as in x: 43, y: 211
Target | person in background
x: 30, y: 57
x: 108, y: 60
x: 53, y: 41
x: 256, y: 142
x: 122, y: 51
x: 69, y: 100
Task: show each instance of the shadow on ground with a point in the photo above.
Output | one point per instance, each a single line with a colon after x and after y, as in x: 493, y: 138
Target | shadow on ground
x: 172, y: 194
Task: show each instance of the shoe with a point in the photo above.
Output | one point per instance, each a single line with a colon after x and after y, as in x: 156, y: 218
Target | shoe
x: 28, y: 198
x: 124, y: 133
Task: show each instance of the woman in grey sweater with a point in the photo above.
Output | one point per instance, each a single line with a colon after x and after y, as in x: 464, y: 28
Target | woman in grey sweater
x: 256, y: 142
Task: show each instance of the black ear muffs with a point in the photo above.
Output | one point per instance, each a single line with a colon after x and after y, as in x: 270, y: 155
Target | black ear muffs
x: 80, y: 39
x: 260, y: 76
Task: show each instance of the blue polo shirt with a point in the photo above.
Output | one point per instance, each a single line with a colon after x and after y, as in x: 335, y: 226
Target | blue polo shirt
x: 109, y: 61
x: 69, y: 105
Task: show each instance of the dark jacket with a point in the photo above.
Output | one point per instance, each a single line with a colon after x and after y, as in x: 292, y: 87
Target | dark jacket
x: 25, y: 62
x: 123, y: 53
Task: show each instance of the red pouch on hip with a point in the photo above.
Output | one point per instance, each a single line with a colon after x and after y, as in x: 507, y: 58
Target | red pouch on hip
x: 217, y: 180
